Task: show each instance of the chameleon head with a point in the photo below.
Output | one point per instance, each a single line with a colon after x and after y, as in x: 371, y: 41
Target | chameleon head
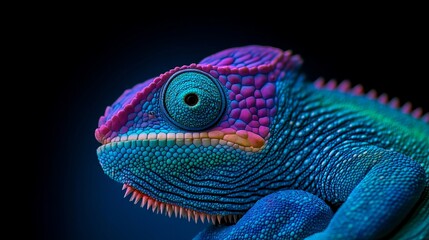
x: 187, y: 142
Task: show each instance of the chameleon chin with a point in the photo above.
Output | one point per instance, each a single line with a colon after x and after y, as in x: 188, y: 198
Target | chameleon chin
x: 243, y: 140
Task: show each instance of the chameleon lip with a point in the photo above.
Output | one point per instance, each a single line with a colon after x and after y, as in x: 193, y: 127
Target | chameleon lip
x: 170, y: 209
x: 241, y: 139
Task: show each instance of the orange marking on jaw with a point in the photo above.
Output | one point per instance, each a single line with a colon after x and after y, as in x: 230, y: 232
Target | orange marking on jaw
x: 216, y: 134
x: 237, y: 139
x: 241, y: 137
x: 242, y: 133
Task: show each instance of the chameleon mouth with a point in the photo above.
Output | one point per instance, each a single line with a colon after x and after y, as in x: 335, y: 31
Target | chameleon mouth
x: 241, y: 139
x: 170, y: 209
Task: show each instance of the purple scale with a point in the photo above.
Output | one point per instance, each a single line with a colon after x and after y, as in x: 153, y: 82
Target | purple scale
x: 243, y: 58
x: 236, y: 88
x: 253, y: 70
x: 239, y: 97
x: 214, y: 73
x: 223, y: 70
x: 254, y: 65
x: 222, y: 79
x: 226, y: 61
x: 248, y: 80
x: 263, y: 112
x: 243, y: 71
x: 242, y: 104
x: 235, y: 113
x: 253, y: 110
x: 264, y: 121
x: 255, y: 130
x: 240, y: 124
x: 260, y: 80
x: 245, y: 115
x: 270, y: 103
x: 205, y: 68
x: 253, y: 61
x: 264, y: 69
x: 225, y: 117
x: 264, y: 131
x: 231, y: 96
x: 268, y: 91
x: 124, y: 129
x: 260, y: 103
x: 254, y: 124
x: 247, y: 91
x: 250, y: 102
x: 234, y: 78
x: 234, y: 104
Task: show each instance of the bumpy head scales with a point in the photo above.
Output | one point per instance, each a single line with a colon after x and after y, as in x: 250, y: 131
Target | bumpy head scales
x: 184, y: 139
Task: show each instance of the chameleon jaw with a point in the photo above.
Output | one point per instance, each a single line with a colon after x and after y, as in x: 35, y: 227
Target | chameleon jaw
x: 170, y: 209
x: 241, y: 139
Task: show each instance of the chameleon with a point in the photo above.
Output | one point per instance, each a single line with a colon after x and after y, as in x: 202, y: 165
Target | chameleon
x: 245, y: 141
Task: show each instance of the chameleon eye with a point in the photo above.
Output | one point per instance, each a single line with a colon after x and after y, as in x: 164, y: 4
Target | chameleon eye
x: 193, y: 100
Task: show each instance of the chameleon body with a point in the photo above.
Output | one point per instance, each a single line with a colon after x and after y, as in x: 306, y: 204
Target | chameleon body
x: 244, y: 141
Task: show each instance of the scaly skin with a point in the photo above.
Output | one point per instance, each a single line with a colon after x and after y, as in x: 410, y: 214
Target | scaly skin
x: 242, y: 136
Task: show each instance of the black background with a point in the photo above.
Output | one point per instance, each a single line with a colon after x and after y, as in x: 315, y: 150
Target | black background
x: 91, y: 61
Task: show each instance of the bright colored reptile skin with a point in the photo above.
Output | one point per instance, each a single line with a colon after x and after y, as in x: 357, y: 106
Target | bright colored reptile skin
x: 242, y: 140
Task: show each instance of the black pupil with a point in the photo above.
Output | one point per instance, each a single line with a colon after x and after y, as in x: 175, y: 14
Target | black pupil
x: 191, y: 99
